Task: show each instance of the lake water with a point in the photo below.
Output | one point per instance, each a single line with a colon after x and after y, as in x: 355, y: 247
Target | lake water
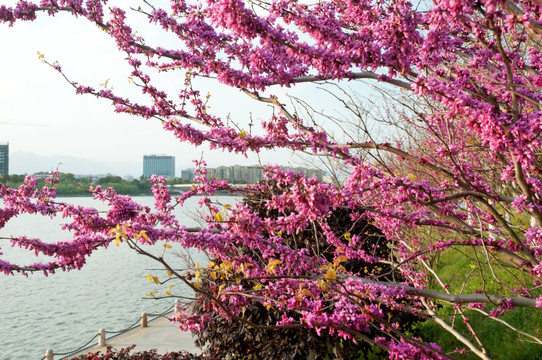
x: 65, y: 310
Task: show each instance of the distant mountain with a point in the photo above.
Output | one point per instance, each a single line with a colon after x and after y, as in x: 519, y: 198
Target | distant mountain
x: 21, y: 162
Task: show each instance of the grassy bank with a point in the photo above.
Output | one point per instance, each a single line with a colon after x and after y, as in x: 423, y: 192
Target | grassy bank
x: 466, y: 271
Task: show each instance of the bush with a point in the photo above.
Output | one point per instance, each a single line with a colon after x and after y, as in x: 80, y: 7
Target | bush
x: 224, y: 337
x: 125, y: 354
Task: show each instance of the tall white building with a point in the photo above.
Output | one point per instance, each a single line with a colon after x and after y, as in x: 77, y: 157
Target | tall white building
x: 4, y: 159
x: 160, y: 165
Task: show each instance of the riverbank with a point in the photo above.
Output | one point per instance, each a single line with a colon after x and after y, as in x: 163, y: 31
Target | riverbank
x: 160, y: 334
x: 68, y: 308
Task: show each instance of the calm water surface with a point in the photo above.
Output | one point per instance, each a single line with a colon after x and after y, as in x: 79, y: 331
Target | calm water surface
x: 65, y: 310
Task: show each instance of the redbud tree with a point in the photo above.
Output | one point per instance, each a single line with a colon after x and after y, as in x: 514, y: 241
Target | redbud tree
x: 463, y: 173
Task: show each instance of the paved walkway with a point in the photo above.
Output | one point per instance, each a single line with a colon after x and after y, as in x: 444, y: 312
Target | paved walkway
x: 160, y: 334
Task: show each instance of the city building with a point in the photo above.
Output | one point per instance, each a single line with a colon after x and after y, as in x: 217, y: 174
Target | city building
x: 41, y: 175
x: 161, y: 165
x: 187, y: 174
x: 4, y: 159
x: 253, y: 174
x: 318, y: 173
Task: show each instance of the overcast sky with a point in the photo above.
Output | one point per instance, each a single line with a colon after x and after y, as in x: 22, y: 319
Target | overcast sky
x: 40, y: 112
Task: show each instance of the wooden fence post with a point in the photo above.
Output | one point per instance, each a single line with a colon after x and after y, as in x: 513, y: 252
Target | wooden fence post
x: 101, y: 337
x: 144, y: 320
x: 49, y: 354
x: 177, y: 305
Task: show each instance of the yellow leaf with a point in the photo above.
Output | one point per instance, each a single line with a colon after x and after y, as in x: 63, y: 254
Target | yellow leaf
x: 218, y: 217
x: 322, y: 285
x: 144, y: 234
x: 149, y: 277
x: 117, y: 240
x: 330, y: 275
x: 258, y: 287
x: 168, y: 293
x: 168, y: 246
x: 275, y: 262
x: 155, y: 279
x: 342, y: 258
x: 271, y: 267
x: 348, y: 236
x: 227, y: 206
x: 213, y: 275
x: 242, y: 134
x: 197, y: 275
x: 169, y: 273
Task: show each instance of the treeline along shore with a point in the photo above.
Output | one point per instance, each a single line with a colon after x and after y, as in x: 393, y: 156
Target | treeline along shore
x: 72, y: 185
